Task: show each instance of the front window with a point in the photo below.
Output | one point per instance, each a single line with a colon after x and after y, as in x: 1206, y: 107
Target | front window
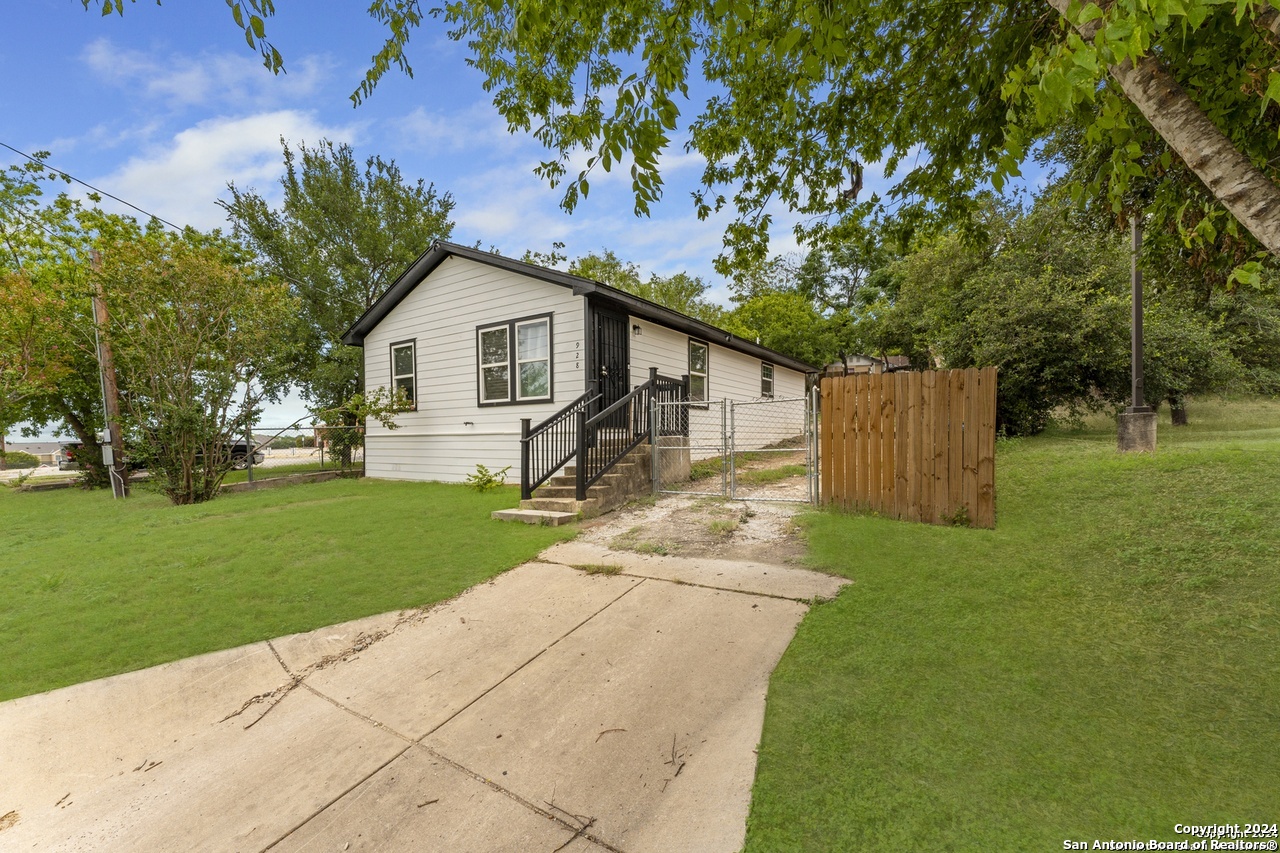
x: 697, y: 371
x: 404, y: 380
x: 515, y: 361
x: 766, y: 380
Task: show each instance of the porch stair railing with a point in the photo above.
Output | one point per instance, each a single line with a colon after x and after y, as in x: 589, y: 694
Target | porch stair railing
x: 545, y: 448
x: 606, y: 437
x: 599, y: 438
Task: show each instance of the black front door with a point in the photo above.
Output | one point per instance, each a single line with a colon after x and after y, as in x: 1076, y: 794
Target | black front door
x: 611, y: 361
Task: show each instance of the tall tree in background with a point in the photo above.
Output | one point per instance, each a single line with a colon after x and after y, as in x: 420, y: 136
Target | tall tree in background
x: 1047, y: 302
x: 48, y: 358
x: 680, y: 292
x: 341, y: 236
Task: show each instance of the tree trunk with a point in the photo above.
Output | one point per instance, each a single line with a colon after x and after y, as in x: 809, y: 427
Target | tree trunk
x: 1178, y: 411
x: 1269, y: 20
x: 1242, y: 188
x: 93, y: 473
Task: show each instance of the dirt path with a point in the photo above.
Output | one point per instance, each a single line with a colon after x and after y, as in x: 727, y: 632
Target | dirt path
x: 701, y: 526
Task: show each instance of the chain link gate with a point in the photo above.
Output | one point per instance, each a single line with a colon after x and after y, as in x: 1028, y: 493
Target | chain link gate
x: 759, y: 450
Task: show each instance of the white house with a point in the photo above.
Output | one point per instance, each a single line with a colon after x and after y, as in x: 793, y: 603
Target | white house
x: 480, y: 342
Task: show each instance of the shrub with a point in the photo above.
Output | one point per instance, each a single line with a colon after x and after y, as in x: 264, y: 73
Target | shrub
x: 483, y: 479
x: 18, y: 459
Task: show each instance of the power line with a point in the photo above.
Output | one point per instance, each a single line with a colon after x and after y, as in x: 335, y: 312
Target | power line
x: 164, y: 221
x: 71, y: 177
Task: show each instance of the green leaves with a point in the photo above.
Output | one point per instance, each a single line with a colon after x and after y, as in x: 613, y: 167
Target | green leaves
x: 1272, y: 95
x: 344, y: 232
x: 932, y: 94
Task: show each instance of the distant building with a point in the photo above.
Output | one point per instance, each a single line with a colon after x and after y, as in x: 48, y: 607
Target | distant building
x: 45, y: 451
x: 868, y: 364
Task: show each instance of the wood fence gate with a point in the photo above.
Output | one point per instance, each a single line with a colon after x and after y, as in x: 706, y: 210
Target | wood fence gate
x: 918, y: 446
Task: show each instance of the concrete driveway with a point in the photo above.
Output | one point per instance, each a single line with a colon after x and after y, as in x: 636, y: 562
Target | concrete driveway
x: 550, y: 709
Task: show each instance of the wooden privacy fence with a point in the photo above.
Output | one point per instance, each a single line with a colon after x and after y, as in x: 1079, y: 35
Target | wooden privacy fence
x: 917, y: 446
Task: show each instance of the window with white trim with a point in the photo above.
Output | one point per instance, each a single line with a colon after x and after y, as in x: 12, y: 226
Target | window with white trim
x: 404, y: 371
x: 766, y: 379
x: 515, y: 361
x: 698, y: 358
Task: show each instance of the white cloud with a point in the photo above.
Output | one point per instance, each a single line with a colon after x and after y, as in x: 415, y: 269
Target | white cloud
x: 181, y: 178
x: 476, y: 130
x: 183, y: 81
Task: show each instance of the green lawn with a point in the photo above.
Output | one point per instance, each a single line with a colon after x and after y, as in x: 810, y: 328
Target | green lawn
x: 266, y: 472
x: 1103, y: 665
x: 93, y: 587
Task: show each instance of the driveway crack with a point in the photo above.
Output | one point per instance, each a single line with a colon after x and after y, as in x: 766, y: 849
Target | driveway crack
x: 545, y: 649
x: 297, y: 678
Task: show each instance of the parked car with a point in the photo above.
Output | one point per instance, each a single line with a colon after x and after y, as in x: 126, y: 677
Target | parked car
x: 241, y: 453
x: 68, y: 457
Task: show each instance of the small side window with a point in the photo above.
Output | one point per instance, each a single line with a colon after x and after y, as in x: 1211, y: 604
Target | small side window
x: 766, y: 379
x: 404, y: 371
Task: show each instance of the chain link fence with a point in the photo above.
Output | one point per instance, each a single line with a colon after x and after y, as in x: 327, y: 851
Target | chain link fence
x: 301, y: 449
x: 760, y: 450
x: 691, y: 448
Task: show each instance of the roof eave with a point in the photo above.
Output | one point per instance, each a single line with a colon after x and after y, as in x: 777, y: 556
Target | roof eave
x: 580, y: 286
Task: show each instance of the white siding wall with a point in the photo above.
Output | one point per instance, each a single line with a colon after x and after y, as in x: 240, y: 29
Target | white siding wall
x: 731, y: 375
x: 442, y: 313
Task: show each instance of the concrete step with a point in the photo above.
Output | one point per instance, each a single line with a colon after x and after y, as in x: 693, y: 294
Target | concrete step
x: 568, y: 490
x: 550, y: 518
x: 588, y: 508
x: 627, y: 479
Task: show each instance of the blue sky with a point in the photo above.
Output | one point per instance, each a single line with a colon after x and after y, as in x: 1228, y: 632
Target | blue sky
x: 166, y: 105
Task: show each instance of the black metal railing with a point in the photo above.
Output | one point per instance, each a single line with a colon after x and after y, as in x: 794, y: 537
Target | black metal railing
x: 545, y: 448
x: 606, y: 437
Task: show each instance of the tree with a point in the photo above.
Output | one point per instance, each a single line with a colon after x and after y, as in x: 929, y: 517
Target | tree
x: 1046, y: 302
x: 48, y: 359
x: 680, y: 292
x: 195, y: 332
x: 788, y: 322
x: 841, y: 277
x: 341, y: 237
x: 807, y: 92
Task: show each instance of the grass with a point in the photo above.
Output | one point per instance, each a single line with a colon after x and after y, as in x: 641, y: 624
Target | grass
x: 265, y: 472
x: 599, y: 568
x: 722, y: 526
x: 93, y: 587
x: 768, y: 476
x: 1102, y: 665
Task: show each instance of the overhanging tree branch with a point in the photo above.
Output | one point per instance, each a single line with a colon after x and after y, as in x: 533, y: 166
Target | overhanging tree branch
x: 1250, y: 196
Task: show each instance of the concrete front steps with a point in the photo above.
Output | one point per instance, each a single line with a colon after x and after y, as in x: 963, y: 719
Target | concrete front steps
x: 629, y: 479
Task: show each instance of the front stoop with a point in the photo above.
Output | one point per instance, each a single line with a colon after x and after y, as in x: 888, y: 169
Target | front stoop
x: 627, y: 480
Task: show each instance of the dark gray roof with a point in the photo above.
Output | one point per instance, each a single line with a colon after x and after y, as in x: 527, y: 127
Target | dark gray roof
x: 651, y: 311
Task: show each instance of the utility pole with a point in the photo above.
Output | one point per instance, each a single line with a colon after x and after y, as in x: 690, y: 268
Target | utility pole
x: 1136, y: 424
x: 113, y: 446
